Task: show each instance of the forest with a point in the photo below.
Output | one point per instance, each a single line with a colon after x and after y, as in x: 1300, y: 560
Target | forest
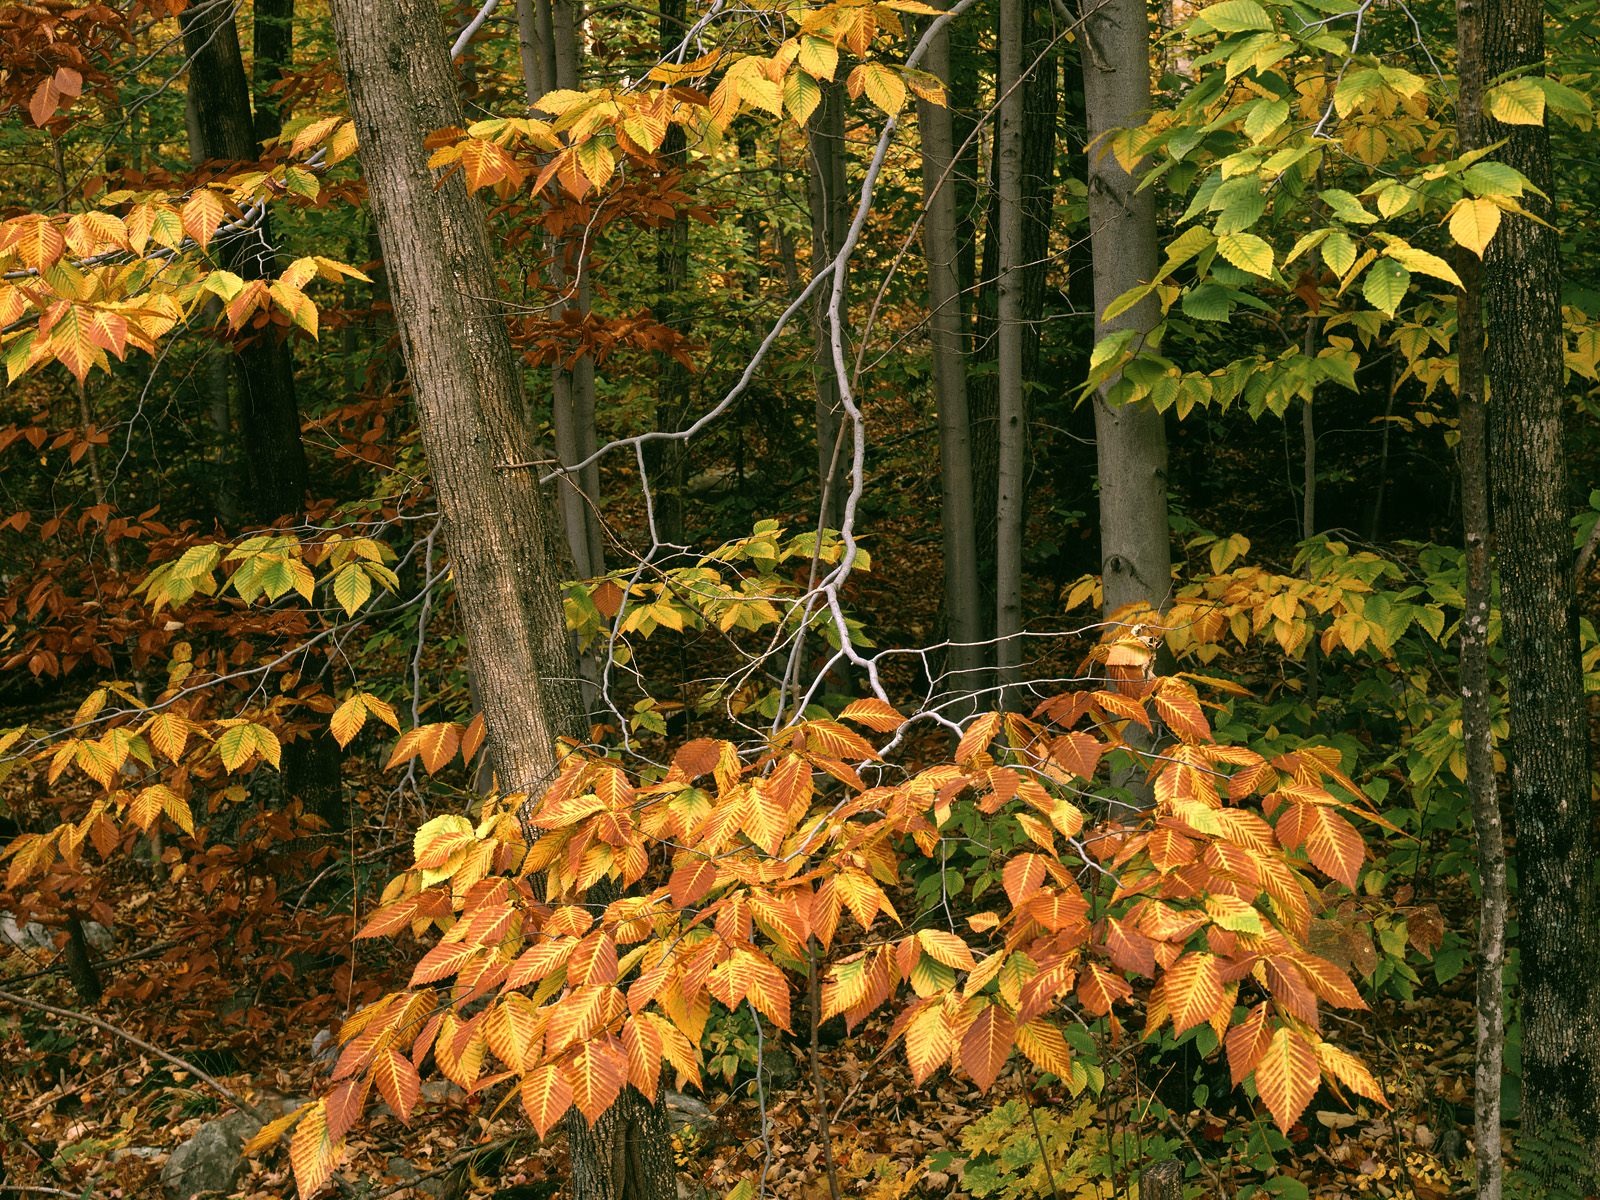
x: 799, y: 599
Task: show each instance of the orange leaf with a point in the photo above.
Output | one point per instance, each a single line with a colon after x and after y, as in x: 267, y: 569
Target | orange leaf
x: 598, y: 1074
x: 1287, y: 1076
x: 877, y: 715
x: 1192, y: 988
x: 987, y: 1044
x: 546, y: 1096
x: 1023, y: 876
x: 312, y: 1152
x: 1331, y: 842
x: 1246, y: 1043
x: 398, y: 1082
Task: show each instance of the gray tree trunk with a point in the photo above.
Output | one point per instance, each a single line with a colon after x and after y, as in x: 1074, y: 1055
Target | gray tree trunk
x: 273, y: 55
x: 830, y: 219
x: 1010, y: 411
x: 1548, y: 747
x: 467, y: 384
x: 1489, y: 1058
x: 963, y: 605
x: 573, y: 386
x: 223, y: 128
x: 1131, y: 441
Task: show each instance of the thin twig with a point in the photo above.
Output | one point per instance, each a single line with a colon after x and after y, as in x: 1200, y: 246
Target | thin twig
x: 116, y: 1031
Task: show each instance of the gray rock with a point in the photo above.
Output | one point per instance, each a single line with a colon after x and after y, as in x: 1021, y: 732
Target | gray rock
x: 209, y: 1162
x: 685, y: 1112
x: 98, y: 936
x: 23, y: 936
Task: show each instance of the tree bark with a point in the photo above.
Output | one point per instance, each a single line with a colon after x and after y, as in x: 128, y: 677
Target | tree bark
x: 274, y: 53
x: 1548, y: 743
x: 1489, y: 1058
x: 967, y: 658
x: 467, y: 384
x: 1038, y: 156
x: 1130, y: 440
x: 668, y: 461
x: 269, y: 414
x: 573, y: 384
x: 830, y: 219
x: 1010, y: 412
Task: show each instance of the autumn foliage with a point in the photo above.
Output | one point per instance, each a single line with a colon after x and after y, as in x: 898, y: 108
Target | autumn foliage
x: 547, y: 984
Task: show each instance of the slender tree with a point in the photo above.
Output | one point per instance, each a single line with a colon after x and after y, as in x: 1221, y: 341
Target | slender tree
x: 1010, y: 412
x: 467, y: 384
x: 273, y: 55
x: 269, y: 414
x: 573, y: 383
x: 1475, y: 717
x: 1548, y: 746
x: 1130, y: 440
x: 946, y: 325
x: 830, y: 219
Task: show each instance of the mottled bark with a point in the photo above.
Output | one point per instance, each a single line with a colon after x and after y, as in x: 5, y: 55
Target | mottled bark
x: 1489, y: 1058
x: 467, y: 383
x: 1039, y: 99
x: 1131, y: 441
x: 668, y: 461
x: 1548, y: 746
x: 573, y: 383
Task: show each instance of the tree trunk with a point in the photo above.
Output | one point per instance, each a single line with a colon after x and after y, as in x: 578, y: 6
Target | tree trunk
x: 830, y: 219
x: 573, y: 384
x: 967, y: 658
x: 274, y: 53
x: 269, y: 416
x: 668, y: 461
x: 1548, y: 743
x: 1010, y: 413
x: 1475, y: 716
x: 1130, y: 440
x: 1038, y: 198
x: 467, y: 384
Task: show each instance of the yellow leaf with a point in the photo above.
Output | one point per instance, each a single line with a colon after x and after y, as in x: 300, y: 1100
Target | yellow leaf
x: 1473, y: 222
x: 348, y: 719
x: 1516, y: 102
x: 312, y: 1153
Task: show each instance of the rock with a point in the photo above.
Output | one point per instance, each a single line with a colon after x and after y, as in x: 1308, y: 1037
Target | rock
x: 209, y: 1161
x: 98, y: 936
x: 23, y: 936
x: 451, y: 1185
x: 687, y: 1113
x: 781, y: 1067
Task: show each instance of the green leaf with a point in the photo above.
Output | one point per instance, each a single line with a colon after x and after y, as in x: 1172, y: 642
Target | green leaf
x: 1247, y: 252
x: 1236, y: 16
x: 1207, y: 302
x: 1240, y: 202
x: 1516, y: 102
x: 1493, y: 179
x: 1346, y: 207
x: 1386, y: 285
x: 1265, y: 117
